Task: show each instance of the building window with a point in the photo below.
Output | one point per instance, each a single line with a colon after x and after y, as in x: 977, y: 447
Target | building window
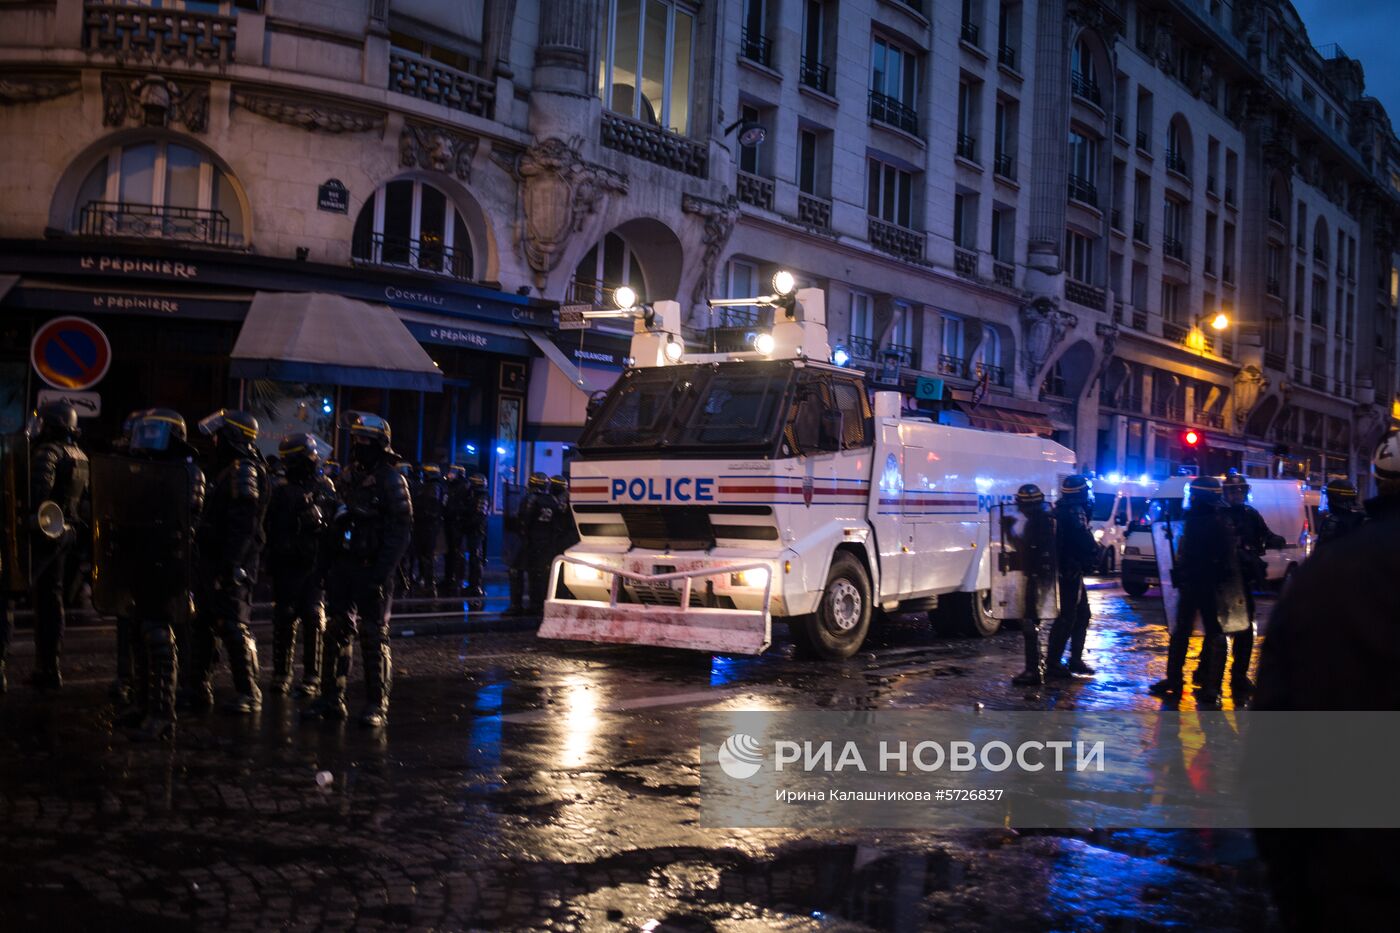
x: 1007, y: 113
x: 807, y: 144
x: 644, y: 61
x: 605, y: 267
x: 742, y: 279
x: 862, y: 326
x: 952, y: 338
x: 1173, y: 306
x: 412, y: 224
x: 889, y: 194
x: 1003, y: 234
x: 160, y: 189
x: 965, y: 220
x: 1083, y: 157
x: 1008, y: 34
x: 1079, y: 257
x: 816, y: 73
x: 894, y: 83
x: 1175, y: 220
x: 1083, y: 74
x: 904, y: 334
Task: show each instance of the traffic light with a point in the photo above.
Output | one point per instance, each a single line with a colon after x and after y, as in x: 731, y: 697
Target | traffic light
x: 1192, y: 439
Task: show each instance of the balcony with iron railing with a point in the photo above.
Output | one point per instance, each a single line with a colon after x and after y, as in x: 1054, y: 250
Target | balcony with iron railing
x: 147, y: 221
x: 1006, y: 57
x: 1083, y: 191
x: 403, y: 252
x: 1176, y: 163
x: 651, y: 143
x: 908, y: 357
x: 1209, y: 419
x: 138, y: 33
x: 1170, y: 408
x: 1174, y: 332
x: 755, y: 190
x: 895, y: 240
x: 1229, y: 196
x: 954, y: 366
x: 1144, y: 142
x: 970, y: 34
x: 896, y: 113
x: 815, y: 75
x: 1082, y: 293
x: 1174, y: 248
x: 813, y: 211
x: 967, y: 147
x: 1140, y: 231
x: 965, y: 262
x: 1004, y: 274
x: 862, y: 348
x: 1274, y: 360
x: 996, y: 375
x: 1085, y: 89
x: 424, y: 79
x: 1139, y: 319
x: 1005, y: 165
x: 756, y: 47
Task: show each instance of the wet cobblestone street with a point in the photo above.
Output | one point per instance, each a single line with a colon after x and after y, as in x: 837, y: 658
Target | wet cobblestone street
x: 527, y: 784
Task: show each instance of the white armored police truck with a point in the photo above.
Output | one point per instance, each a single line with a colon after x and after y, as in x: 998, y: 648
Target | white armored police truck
x: 716, y: 491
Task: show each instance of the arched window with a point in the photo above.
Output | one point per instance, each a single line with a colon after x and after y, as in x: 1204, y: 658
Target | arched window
x: 608, y: 265
x: 1084, y: 74
x: 158, y: 188
x: 413, y: 224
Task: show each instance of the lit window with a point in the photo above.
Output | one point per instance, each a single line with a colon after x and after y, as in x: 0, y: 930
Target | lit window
x: 645, y: 50
x: 413, y: 224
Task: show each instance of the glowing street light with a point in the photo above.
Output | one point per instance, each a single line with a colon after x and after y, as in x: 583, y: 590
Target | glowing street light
x: 784, y: 282
x: 625, y: 297
x: 1220, y: 321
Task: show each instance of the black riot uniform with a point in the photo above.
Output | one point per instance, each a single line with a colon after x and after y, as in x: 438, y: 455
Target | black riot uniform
x: 303, y: 503
x: 1076, y: 555
x: 537, y: 527
x: 405, y: 568
x: 1343, y: 513
x: 58, y: 473
x: 429, y: 503
x: 371, y: 533
x: 1207, y: 564
x: 159, y: 594
x: 1332, y: 645
x: 1252, y: 538
x: 478, y: 510
x: 565, y: 531
x: 454, y: 519
x: 1035, y: 545
x: 230, y: 543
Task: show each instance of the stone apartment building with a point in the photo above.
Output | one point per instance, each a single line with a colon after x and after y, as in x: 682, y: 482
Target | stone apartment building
x: 1043, y: 206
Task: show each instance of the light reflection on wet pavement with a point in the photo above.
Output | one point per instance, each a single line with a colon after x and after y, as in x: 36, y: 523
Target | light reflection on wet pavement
x: 524, y: 784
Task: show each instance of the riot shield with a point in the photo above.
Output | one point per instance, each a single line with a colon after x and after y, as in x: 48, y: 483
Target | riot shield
x: 1020, y: 590
x: 14, y: 514
x: 142, y: 539
x: 1165, y: 537
x: 1233, y: 610
x: 512, y: 535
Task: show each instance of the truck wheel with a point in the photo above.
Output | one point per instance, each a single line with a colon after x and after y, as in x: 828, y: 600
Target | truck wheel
x: 966, y: 614
x: 1134, y: 586
x: 836, y: 630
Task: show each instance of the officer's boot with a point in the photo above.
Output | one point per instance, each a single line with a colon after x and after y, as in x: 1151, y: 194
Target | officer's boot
x: 336, y: 655
x: 1078, y: 636
x: 1177, y: 646
x: 1055, y: 649
x: 1214, y: 657
x: 313, y: 632
x: 284, y: 641
x: 1034, y: 674
x: 243, y: 667
x: 197, y: 690
x: 379, y: 675
x: 517, y: 593
x: 1242, y: 649
x: 162, y: 672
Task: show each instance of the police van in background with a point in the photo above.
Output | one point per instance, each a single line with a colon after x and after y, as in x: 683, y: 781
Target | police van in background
x: 716, y: 491
x: 1281, y: 503
x: 1118, y: 503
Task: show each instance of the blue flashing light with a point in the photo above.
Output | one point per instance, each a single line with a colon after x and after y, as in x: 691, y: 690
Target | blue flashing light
x: 1115, y: 479
x: 326, y: 406
x: 840, y: 356
x: 500, y: 451
x: 471, y: 448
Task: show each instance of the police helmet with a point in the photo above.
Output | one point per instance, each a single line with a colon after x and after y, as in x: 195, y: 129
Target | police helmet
x: 1340, y: 494
x: 478, y: 480
x: 156, y: 430
x: 456, y: 472
x: 431, y: 471
x: 1235, y: 483
x: 367, y: 428
x: 303, y: 446
x: 538, y: 481
x: 1205, y: 490
x: 232, y: 425
x: 1385, y: 462
x: 57, y: 417
x: 1029, y: 494
x: 558, y: 484
x: 1076, y: 486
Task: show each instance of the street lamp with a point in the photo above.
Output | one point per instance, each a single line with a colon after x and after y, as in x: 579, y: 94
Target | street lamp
x: 1220, y: 321
x: 625, y: 298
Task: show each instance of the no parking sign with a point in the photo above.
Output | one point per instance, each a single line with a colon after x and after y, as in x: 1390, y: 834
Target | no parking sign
x: 70, y: 353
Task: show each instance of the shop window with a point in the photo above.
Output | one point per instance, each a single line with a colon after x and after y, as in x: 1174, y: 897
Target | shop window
x: 160, y: 189
x: 414, y: 225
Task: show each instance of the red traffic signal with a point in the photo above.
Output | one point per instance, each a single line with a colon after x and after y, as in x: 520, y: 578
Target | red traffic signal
x: 1191, y: 438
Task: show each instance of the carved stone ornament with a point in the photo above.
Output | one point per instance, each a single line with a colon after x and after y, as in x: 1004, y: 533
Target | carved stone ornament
x: 1250, y: 386
x: 31, y: 89
x: 437, y: 149
x: 310, y: 114
x: 719, y: 218
x: 1108, y: 333
x: 155, y: 101
x: 1043, y: 327
x: 558, y: 191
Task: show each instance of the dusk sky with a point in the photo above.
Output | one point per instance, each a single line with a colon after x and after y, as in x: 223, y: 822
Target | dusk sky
x: 1365, y: 29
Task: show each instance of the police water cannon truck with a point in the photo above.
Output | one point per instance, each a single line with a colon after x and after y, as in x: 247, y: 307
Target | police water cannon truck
x: 717, y: 491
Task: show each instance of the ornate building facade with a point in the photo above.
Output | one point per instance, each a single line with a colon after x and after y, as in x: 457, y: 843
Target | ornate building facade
x: 1029, y: 214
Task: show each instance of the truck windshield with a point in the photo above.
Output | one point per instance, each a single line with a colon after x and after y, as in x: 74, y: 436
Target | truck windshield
x: 731, y: 405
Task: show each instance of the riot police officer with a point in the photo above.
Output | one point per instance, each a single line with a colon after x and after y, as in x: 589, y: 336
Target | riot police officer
x: 58, y: 473
x: 428, y: 505
x: 1343, y: 513
x: 412, y: 477
x: 565, y: 531
x: 1076, y: 554
x: 302, y: 506
x: 537, y: 527
x: 372, y: 532
x: 1252, y: 538
x: 1385, y: 467
x: 1035, y: 544
x: 455, y: 500
x: 478, y: 510
x: 151, y: 558
x: 230, y: 543
x: 1207, y: 567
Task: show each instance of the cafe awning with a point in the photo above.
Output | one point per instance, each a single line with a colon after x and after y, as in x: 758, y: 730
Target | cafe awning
x: 322, y: 338
x: 559, y: 393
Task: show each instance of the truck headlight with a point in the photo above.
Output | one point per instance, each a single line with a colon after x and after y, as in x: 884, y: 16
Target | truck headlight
x: 1098, y: 534
x: 756, y: 577
x: 586, y: 574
